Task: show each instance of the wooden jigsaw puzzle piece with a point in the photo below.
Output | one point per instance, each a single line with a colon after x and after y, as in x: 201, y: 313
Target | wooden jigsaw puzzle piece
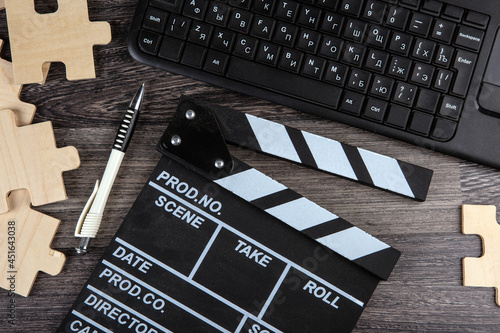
x: 31, y: 234
x: 9, y: 94
x: 30, y: 159
x: 483, y: 271
x: 66, y: 35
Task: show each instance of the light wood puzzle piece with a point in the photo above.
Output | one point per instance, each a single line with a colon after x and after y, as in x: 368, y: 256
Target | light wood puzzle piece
x: 29, y: 159
x: 66, y: 35
x: 483, y: 271
x: 9, y: 93
x: 29, y: 248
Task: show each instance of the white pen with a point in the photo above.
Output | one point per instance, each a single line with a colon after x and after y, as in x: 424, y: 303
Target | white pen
x: 91, y: 217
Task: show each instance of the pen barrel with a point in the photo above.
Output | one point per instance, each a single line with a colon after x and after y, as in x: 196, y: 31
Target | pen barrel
x: 114, y: 162
x: 126, y: 130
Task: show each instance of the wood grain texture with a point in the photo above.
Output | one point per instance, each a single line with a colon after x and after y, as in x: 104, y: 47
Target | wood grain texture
x: 424, y: 293
x: 65, y: 35
x: 30, y: 160
x: 484, y: 271
x: 34, y: 232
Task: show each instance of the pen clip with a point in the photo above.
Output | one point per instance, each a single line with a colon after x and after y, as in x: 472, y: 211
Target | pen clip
x: 86, y: 210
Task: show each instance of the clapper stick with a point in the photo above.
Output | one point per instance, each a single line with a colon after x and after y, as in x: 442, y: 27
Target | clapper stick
x: 315, y: 151
x: 193, y: 136
x: 324, y: 154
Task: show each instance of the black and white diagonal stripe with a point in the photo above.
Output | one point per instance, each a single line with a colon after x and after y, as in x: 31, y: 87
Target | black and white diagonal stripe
x: 324, y: 154
x: 313, y: 220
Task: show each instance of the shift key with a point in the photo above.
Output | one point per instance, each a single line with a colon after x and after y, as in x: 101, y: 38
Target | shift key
x: 284, y: 82
x: 464, y: 63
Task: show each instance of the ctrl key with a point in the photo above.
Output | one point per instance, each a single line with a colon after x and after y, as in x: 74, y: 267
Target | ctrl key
x: 149, y: 41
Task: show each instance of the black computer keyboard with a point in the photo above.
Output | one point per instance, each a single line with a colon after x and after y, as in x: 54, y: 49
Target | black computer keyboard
x: 401, y: 68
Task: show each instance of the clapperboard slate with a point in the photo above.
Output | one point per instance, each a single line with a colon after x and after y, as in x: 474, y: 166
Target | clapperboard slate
x: 191, y: 256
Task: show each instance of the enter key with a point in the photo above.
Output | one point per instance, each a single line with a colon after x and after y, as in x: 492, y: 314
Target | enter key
x: 489, y: 97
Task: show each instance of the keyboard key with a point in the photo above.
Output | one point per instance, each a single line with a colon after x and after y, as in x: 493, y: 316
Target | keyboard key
x: 453, y: 13
x: 155, y: 19
x: 354, y: 30
x: 421, y: 123
x: 359, y: 80
x: 352, y: 102
x: 149, y: 41
x: 170, y: 5
x: 470, y: 38
x: 464, y: 64
x: 262, y: 27
x: 264, y: 7
x: 178, y: 26
x: 216, y: 62
x: 377, y: 61
x: 420, y: 24
x: 400, y: 43
x: 245, y: 46
x: 451, y: 107
x: 267, y: 53
x: 382, y: 87
x: 218, y: 14
x: 222, y: 40
x: 478, y: 19
x: 193, y: 55
x: 374, y: 11
x: 195, y: 9
x: 285, y: 34
x: 332, y: 23
x: 287, y: 10
x: 428, y: 100
x: 171, y: 48
x: 444, y: 129
x: 443, y: 31
x: 313, y: 67
x: 375, y: 110
x: 328, y: 4
x: 331, y: 47
x: 309, y: 17
x: 398, y: 116
x: 308, y: 41
x: 354, y: 54
x: 422, y: 74
x: 351, y: 7
x: 244, y: 4
x: 291, y: 60
x: 336, y: 73
x: 400, y: 67
x: 240, y: 20
x: 397, y: 17
x: 444, y: 55
x: 411, y: 3
x: 432, y: 7
x: 424, y: 50
x: 200, y: 33
x: 377, y: 36
x: 405, y: 93
x: 443, y: 80
x: 273, y: 78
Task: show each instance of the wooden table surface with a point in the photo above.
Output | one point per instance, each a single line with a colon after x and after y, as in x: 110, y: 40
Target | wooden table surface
x: 424, y: 292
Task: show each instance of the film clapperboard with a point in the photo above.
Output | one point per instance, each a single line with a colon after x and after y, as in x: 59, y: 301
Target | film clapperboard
x: 204, y: 247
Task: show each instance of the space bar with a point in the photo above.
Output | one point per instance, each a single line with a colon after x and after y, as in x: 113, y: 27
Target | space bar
x: 284, y: 82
